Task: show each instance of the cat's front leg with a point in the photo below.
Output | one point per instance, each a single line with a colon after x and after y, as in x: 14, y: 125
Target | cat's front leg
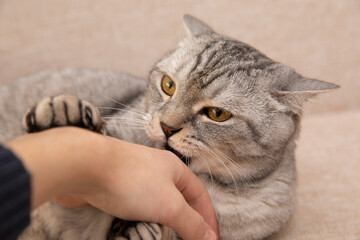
x: 63, y: 110
x: 130, y: 230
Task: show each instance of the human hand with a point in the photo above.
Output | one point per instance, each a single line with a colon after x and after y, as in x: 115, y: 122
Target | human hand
x: 126, y: 180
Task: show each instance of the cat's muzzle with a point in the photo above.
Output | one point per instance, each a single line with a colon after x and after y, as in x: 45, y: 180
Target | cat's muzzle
x: 183, y: 158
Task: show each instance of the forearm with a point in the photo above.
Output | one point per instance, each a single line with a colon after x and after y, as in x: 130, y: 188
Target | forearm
x: 55, y: 164
x: 78, y: 167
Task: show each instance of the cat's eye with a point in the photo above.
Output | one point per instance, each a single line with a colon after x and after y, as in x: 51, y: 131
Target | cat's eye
x: 217, y: 114
x: 168, y: 85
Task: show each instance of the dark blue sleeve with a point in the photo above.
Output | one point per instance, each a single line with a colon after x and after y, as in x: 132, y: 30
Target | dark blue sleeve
x: 15, y: 195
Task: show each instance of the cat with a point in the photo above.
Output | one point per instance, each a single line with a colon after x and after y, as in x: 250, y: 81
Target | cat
x: 225, y: 109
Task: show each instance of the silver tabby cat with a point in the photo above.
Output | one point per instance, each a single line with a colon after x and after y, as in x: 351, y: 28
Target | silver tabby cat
x: 228, y: 111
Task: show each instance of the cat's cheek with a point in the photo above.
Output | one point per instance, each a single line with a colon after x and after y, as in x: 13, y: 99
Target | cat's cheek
x: 154, y: 131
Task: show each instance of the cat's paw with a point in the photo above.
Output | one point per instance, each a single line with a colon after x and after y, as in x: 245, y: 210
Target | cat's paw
x: 63, y: 110
x: 138, y: 231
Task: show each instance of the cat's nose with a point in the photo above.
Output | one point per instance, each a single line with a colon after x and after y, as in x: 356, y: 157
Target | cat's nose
x: 168, y: 131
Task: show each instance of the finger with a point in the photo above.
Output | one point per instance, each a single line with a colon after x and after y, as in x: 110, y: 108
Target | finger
x: 187, y: 222
x: 197, y: 196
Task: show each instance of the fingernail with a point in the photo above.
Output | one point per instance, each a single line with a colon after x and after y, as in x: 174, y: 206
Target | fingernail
x: 210, y: 235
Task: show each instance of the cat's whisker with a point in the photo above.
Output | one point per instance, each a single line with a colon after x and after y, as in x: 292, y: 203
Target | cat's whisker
x: 142, y: 118
x: 125, y: 121
x: 135, y: 128
x: 129, y: 128
x: 147, y: 140
x: 126, y: 124
x: 236, y: 165
x: 224, y: 165
x: 245, y: 181
x: 202, y: 159
x: 131, y: 115
x: 121, y: 104
x: 124, y: 118
x: 144, y: 136
x: 120, y: 124
x: 123, y: 110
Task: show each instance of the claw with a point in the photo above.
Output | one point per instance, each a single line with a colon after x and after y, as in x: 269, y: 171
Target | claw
x: 31, y: 120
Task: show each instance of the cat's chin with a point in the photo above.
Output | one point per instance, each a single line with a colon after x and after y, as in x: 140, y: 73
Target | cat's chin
x: 183, y: 158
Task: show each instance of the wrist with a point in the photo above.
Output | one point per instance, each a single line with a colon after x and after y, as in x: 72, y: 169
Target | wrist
x: 59, y: 160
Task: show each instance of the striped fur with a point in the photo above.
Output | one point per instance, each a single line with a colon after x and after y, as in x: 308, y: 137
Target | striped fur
x: 247, y: 162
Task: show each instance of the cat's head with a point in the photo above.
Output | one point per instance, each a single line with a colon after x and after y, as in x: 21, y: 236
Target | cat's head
x: 223, y: 106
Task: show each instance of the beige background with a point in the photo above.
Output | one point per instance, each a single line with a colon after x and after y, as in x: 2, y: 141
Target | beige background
x: 319, y: 38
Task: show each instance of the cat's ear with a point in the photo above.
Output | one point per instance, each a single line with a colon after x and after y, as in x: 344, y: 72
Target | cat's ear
x: 294, y: 90
x: 195, y: 27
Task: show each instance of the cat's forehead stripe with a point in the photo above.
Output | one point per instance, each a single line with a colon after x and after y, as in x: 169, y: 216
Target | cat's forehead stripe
x: 216, y: 76
x: 200, y: 56
x: 235, y: 56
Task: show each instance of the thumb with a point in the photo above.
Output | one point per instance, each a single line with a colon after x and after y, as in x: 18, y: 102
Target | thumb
x: 187, y: 222
x: 196, y: 195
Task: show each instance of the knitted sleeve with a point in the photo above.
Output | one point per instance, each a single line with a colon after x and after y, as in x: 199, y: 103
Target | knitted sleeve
x: 15, y: 195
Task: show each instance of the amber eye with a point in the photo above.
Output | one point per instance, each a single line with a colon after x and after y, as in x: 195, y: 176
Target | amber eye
x: 168, y: 85
x: 217, y: 114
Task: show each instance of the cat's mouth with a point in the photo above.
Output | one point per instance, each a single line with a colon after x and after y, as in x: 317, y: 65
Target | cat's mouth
x: 183, y: 158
